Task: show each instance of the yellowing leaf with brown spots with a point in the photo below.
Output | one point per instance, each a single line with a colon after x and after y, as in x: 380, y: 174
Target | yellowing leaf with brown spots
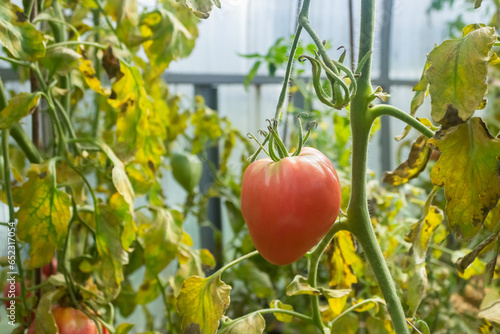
x: 411, y: 168
x: 468, y: 170
x: 457, y: 75
x: 300, y: 286
x: 18, y: 107
x: 43, y: 216
x: 18, y: 35
x: 201, y: 303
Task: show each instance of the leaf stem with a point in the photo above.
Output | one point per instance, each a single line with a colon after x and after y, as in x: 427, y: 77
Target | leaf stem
x: 68, y: 43
x: 313, y: 261
x: 273, y: 310
x: 235, y: 262
x: 385, y: 109
x: 366, y: 301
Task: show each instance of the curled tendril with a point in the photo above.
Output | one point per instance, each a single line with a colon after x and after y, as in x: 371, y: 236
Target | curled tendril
x: 312, y: 125
x: 342, y: 56
x: 262, y: 133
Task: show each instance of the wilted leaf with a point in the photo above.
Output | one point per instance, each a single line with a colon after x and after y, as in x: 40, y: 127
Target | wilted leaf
x: 45, y: 322
x: 491, y: 313
x: 201, y: 303
x: 420, y: 235
x: 18, y: 107
x: 171, y: 32
x: 44, y: 213
x: 110, y: 226
x: 120, y: 178
x: 466, y: 261
x: 468, y: 170
x: 300, y: 286
x: 161, y: 240
x: 411, y: 168
x: 342, y: 255
x: 253, y: 324
x: 281, y: 316
x: 18, y: 35
x: 89, y: 75
x: 457, y: 75
x: 60, y: 60
x: 201, y: 8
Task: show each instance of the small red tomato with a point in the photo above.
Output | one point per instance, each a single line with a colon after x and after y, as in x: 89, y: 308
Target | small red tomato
x: 290, y: 205
x: 50, y: 268
x: 70, y: 321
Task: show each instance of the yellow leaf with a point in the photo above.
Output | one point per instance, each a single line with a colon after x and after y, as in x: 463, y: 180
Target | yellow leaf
x: 201, y: 303
x: 253, y: 324
x: 43, y: 214
x: 299, y: 286
x: 89, y: 75
x: 281, y: 316
x: 342, y: 256
x: 467, y: 168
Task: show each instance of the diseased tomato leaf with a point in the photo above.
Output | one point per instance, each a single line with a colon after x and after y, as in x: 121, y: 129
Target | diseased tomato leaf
x: 457, y: 74
x: 491, y: 312
x: 420, y: 235
x: 201, y: 8
x: 468, y: 170
x: 125, y: 13
x: 253, y: 324
x: 18, y: 35
x: 148, y: 292
x: 171, y: 32
x: 45, y: 322
x: 112, y: 221
x: 411, y: 168
x: 140, y: 129
x: 201, y: 303
x: 207, y: 126
x: 89, y: 75
x: 43, y: 215
x: 161, y: 238
x: 18, y: 107
x: 300, y: 286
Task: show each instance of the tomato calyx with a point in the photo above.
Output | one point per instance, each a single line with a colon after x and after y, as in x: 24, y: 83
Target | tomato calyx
x: 276, y: 147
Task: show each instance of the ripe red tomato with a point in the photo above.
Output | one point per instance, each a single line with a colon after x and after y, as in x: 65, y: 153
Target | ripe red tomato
x: 50, y: 268
x: 290, y: 205
x: 70, y: 321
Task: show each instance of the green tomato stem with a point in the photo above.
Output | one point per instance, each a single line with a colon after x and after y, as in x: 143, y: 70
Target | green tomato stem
x: 235, y: 262
x: 272, y: 310
x: 385, y: 109
x: 357, y: 210
x: 314, y: 257
x: 69, y: 43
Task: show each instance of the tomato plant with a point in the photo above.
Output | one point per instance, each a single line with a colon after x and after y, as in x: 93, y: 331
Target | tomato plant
x: 90, y: 198
x: 289, y: 205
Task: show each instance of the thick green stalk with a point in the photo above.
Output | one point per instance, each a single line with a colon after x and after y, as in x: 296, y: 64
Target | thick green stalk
x: 357, y: 211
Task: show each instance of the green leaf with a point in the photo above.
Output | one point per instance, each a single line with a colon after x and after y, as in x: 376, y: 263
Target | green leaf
x: 253, y: 71
x: 171, y: 34
x: 18, y: 107
x: 19, y: 36
x: 125, y: 13
x: 201, y: 8
x: 201, y: 303
x: 411, y: 168
x: 124, y: 328
x: 111, y: 224
x: 457, y: 75
x: 258, y: 281
x: 43, y: 215
x: 60, y: 60
x: 161, y: 240
x: 253, y: 324
x: 477, y: 3
x: 299, y: 286
x: 281, y: 316
x: 148, y: 292
x: 466, y: 168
